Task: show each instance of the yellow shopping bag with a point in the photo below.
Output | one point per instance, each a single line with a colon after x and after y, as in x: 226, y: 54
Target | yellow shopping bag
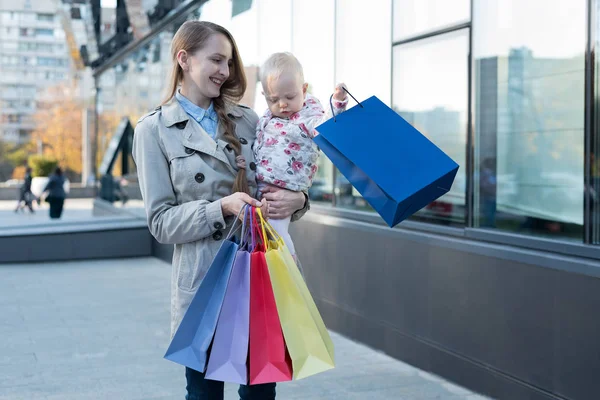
x: 310, y: 303
x: 306, y: 337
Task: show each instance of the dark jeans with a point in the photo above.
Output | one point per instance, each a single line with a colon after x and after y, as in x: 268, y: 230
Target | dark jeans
x: 199, y: 388
x: 56, y: 207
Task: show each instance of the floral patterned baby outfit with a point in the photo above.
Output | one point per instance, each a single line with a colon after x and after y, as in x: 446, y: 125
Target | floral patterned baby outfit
x: 285, y: 153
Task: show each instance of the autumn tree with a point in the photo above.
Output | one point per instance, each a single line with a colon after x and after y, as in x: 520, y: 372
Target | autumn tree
x: 59, y: 126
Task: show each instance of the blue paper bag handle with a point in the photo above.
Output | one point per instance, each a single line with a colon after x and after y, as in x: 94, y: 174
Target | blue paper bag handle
x: 234, y: 228
x: 244, y: 233
x: 331, y: 102
x: 247, y: 241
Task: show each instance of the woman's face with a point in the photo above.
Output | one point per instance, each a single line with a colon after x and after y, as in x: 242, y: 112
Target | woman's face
x: 207, y: 69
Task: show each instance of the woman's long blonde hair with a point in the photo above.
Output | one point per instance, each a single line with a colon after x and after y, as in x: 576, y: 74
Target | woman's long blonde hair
x: 191, y: 37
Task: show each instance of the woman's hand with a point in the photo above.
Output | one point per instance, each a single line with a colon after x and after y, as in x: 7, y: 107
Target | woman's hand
x: 265, y: 209
x: 233, y: 204
x: 282, y: 202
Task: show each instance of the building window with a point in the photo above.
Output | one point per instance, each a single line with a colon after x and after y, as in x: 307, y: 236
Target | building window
x: 10, y: 60
x: 45, y: 17
x: 430, y: 91
x: 26, y: 32
x: 416, y: 17
x: 44, y: 32
x: 529, y: 116
x: 7, y: 16
x: 11, y: 118
x: 9, y: 46
x: 50, y: 61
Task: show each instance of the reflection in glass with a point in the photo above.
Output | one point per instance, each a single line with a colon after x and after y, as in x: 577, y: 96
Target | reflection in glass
x: 347, y: 196
x: 131, y: 89
x: 430, y: 92
x: 318, y: 65
x: 593, y: 190
x: 363, y: 63
x: 415, y: 17
x: 529, y: 116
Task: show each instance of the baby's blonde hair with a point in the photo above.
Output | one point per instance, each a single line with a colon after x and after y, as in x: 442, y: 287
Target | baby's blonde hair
x: 279, y: 63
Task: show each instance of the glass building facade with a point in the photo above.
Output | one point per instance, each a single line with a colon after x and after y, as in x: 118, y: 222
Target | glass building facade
x: 506, y: 88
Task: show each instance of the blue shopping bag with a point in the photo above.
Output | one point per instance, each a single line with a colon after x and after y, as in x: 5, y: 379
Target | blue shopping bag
x: 393, y: 166
x: 191, y: 342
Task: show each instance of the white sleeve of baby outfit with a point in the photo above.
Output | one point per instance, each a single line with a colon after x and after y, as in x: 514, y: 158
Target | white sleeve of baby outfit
x: 338, y: 108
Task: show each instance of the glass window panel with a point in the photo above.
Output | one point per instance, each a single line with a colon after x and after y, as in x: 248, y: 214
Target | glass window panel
x: 274, y: 27
x: 318, y: 65
x: 414, y: 17
x: 133, y: 87
x: 243, y: 27
x: 45, y: 17
x: 355, y: 55
x: 44, y: 32
x: 594, y: 190
x: 529, y: 116
x: 10, y: 46
x: 431, y: 93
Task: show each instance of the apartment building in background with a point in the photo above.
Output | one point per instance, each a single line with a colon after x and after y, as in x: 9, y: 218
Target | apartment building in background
x: 33, y: 56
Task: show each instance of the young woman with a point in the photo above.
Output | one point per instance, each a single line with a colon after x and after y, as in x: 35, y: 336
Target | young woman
x: 196, y: 170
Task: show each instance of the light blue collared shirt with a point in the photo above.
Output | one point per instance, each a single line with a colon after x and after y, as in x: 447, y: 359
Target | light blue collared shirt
x: 207, y: 119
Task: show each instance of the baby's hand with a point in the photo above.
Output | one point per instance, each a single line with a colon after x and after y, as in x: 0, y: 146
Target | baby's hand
x: 339, y: 93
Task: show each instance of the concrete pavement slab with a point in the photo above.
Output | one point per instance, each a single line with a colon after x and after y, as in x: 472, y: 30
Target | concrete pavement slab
x: 99, y: 329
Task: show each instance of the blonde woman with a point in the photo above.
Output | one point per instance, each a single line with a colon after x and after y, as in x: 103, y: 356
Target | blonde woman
x: 196, y: 170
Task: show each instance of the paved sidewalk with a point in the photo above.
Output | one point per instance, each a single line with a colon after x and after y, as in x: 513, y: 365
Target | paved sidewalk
x: 99, y: 329
x: 75, y: 211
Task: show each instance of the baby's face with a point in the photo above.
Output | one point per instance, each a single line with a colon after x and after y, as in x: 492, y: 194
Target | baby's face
x: 285, y: 94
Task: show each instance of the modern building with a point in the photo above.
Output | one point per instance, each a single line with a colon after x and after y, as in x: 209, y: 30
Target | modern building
x: 494, y: 286
x: 33, y: 55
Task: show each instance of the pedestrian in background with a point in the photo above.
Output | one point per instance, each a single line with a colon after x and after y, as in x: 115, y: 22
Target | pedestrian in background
x: 25, y: 194
x: 56, y: 193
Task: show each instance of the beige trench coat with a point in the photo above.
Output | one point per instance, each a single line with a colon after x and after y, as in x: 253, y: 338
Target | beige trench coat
x: 183, y: 175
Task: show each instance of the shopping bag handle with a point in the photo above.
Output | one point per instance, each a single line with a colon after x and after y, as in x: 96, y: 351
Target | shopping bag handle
x: 245, y: 231
x: 331, y: 102
x: 256, y: 230
x: 233, y: 227
x: 251, y: 221
x: 272, y: 232
x: 262, y: 226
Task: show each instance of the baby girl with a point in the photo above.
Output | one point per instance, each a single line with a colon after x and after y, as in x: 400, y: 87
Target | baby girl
x: 285, y: 153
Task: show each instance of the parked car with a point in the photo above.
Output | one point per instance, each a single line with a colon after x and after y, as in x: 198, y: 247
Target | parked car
x: 321, y: 190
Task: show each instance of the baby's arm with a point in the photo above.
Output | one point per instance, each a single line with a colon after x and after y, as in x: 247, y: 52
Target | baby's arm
x: 339, y: 100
